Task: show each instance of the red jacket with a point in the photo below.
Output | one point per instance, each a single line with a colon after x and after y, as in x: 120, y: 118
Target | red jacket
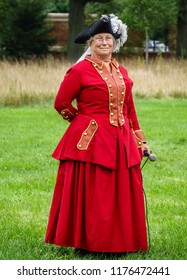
x: 104, y: 105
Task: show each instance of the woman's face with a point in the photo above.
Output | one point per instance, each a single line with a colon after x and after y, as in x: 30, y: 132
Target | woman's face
x: 102, y: 45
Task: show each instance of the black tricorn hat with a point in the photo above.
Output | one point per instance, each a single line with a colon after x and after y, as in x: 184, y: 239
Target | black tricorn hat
x: 102, y: 25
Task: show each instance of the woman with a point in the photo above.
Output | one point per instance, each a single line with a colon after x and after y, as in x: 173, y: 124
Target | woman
x: 98, y: 202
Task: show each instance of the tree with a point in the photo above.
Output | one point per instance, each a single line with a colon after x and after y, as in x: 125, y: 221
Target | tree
x: 76, y: 24
x: 181, y: 51
x: 150, y: 16
x: 24, y: 31
x: 58, y: 6
x: 114, y: 6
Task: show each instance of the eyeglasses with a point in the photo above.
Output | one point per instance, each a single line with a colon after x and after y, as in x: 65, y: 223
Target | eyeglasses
x: 108, y: 39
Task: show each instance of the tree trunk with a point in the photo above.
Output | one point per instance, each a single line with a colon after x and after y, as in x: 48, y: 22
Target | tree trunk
x: 147, y: 47
x: 76, y: 24
x: 181, y: 51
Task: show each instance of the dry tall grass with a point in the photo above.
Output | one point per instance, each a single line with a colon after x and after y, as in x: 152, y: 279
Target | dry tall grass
x: 22, y: 83
x: 161, y: 79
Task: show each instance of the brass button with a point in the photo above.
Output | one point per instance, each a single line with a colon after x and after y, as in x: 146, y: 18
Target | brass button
x: 112, y: 121
x: 120, y: 77
x: 111, y: 104
x: 121, y: 102
x: 63, y: 113
x: 122, y: 93
x: 80, y: 145
x: 118, y: 71
x: 111, y: 94
x: 106, y: 78
x: 66, y: 117
x: 139, y: 143
x: 123, y: 84
x: 93, y: 123
x: 110, y: 86
x: 85, y: 133
x: 101, y: 72
x: 112, y: 114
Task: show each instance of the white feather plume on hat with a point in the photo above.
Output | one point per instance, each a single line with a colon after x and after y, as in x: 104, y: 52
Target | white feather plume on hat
x: 121, y: 28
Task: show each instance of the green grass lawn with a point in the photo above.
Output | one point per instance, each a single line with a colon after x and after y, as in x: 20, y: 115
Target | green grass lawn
x: 27, y: 176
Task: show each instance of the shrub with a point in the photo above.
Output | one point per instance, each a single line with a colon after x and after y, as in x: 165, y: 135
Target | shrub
x: 24, y: 29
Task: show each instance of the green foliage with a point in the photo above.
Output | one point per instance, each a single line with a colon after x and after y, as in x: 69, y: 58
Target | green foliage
x: 24, y: 30
x: 111, y: 6
x: 150, y: 14
x: 58, y: 6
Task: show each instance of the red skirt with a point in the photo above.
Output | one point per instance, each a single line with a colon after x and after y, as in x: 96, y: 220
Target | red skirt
x: 98, y: 209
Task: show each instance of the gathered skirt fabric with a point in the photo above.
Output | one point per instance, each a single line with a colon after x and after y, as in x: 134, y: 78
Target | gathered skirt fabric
x: 98, y: 209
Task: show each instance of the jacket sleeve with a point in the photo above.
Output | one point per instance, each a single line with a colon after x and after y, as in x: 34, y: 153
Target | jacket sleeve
x: 137, y: 132
x: 68, y: 91
x: 132, y: 116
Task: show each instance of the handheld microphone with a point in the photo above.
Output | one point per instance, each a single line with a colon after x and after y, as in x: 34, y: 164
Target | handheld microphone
x: 151, y: 157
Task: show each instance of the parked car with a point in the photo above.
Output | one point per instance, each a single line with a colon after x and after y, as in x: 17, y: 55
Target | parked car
x: 155, y: 46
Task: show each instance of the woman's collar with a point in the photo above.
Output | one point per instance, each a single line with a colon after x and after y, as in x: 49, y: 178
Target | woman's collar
x: 100, y: 63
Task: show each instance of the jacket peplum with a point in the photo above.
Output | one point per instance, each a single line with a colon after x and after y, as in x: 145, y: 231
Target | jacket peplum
x: 104, y: 111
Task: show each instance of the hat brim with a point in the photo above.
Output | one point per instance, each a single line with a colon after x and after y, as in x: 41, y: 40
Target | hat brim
x: 83, y: 36
x: 99, y: 26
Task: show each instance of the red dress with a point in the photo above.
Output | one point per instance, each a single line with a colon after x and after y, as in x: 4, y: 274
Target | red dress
x: 98, y: 201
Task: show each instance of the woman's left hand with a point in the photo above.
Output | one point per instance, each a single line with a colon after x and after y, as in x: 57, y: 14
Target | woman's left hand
x: 145, y: 147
